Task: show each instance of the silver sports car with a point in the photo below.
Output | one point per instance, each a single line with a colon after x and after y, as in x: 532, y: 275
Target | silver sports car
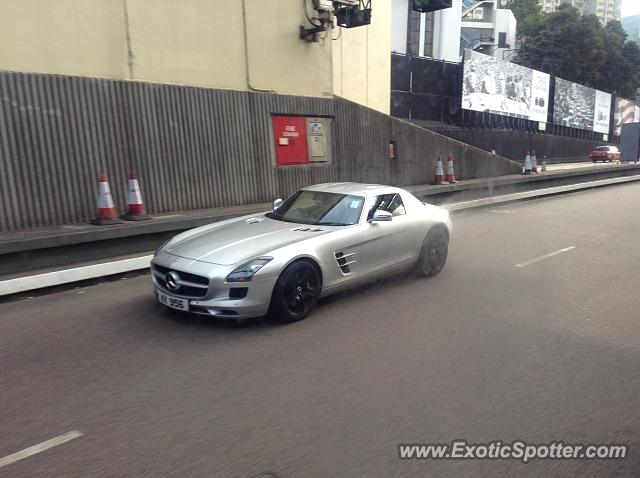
x: 321, y: 240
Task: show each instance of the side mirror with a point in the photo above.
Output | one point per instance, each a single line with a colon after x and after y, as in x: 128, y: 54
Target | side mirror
x: 381, y: 216
x: 277, y: 203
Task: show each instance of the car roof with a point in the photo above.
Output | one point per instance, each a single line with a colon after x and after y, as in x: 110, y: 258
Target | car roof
x: 354, y: 188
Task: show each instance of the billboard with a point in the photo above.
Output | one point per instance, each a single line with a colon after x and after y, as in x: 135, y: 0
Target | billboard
x: 504, y: 88
x: 602, y: 118
x: 626, y: 112
x: 581, y: 107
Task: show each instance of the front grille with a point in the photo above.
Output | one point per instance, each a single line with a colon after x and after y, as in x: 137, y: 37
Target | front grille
x: 191, y: 285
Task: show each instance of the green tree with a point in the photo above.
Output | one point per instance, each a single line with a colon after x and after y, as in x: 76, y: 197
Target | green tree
x: 529, y: 15
x: 579, y: 49
x: 612, y: 78
x: 630, y: 71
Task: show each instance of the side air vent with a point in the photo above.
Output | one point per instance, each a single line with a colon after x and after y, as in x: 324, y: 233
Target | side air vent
x: 344, y: 260
x: 308, y: 229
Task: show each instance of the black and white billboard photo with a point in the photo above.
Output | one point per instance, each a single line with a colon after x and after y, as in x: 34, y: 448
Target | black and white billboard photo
x: 504, y: 88
x: 579, y: 106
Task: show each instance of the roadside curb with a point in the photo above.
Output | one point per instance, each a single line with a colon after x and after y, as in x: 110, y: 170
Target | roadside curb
x: 538, y: 193
x: 66, y: 276
x: 76, y: 274
x: 79, y: 234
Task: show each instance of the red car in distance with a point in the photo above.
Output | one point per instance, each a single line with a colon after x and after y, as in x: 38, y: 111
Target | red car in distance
x: 605, y: 153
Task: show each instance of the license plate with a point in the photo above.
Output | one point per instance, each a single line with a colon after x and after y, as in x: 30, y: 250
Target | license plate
x: 173, y: 302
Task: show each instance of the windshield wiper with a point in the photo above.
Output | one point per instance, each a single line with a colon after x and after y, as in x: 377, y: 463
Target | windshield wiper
x: 331, y: 224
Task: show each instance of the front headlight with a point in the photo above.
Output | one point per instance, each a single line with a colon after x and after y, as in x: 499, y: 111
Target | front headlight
x: 246, y: 271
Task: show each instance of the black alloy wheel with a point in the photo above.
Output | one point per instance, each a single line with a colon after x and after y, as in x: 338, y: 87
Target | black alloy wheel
x: 296, y: 292
x: 434, y: 252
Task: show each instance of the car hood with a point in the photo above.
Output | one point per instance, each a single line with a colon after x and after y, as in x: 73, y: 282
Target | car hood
x: 242, y: 239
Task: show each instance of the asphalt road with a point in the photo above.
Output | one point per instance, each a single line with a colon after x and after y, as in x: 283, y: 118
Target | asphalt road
x: 487, y: 350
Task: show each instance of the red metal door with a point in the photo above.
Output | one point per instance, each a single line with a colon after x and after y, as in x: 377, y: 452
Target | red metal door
x: 290, y: 137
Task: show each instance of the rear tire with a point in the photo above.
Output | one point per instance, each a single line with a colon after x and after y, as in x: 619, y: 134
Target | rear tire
x: 296, y: 292
x: 433, y: 254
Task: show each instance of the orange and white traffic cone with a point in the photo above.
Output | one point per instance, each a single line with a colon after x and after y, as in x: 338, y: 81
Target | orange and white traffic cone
x: 451, y: 176
x: 527, y: 163
x: 106, y: 210
x: 135, y: 206
x: 534, y: 162
x: 439, y: 171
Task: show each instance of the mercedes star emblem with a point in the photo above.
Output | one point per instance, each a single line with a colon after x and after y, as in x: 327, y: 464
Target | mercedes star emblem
x: 172, y: 280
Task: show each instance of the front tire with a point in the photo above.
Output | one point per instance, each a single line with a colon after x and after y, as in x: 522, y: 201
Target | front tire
x: 433, y: 254
x: 296, y: 292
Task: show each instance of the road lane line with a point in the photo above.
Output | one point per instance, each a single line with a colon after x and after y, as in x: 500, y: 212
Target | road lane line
x: 39, y: 448
x: 546, y: 256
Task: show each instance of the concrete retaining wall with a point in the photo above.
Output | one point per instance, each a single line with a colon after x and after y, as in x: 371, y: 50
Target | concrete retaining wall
x: 513, y: 144
x: 193, y: 148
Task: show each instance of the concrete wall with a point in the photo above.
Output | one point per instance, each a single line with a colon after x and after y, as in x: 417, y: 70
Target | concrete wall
x: 506, y: 23
x: 361, y: 73
x: 194, y: 42
x: 72, y: 37
x: 446, y: 34
x: 399, y: 19
x: 233, y: 44
x: 446, y: 30
x: 193, y: 148
x: 513, y: 144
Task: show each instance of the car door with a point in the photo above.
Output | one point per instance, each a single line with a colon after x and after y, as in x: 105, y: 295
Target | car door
x: 390, y: 243
x: 340, y: 252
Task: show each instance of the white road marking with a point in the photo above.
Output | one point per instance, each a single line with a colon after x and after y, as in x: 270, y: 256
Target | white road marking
x: 502, y: 211
x: 546, y: 256
x: 39, y: 448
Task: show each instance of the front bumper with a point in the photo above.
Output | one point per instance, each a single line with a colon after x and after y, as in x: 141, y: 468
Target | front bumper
x: 221, y: 299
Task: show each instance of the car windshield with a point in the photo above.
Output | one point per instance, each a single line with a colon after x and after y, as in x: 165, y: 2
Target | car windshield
x: 602, y: 148
x: 320, y: 208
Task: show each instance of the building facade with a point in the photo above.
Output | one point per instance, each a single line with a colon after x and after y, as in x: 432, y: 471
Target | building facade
x: 605, y: 10
x: 434, y: 35
x: 489, y: 29
x: 444, y: 35
x: 240, y: 45
x: 549, y: 6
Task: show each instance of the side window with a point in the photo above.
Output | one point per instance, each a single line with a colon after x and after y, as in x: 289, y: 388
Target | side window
x: 388, y: 202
